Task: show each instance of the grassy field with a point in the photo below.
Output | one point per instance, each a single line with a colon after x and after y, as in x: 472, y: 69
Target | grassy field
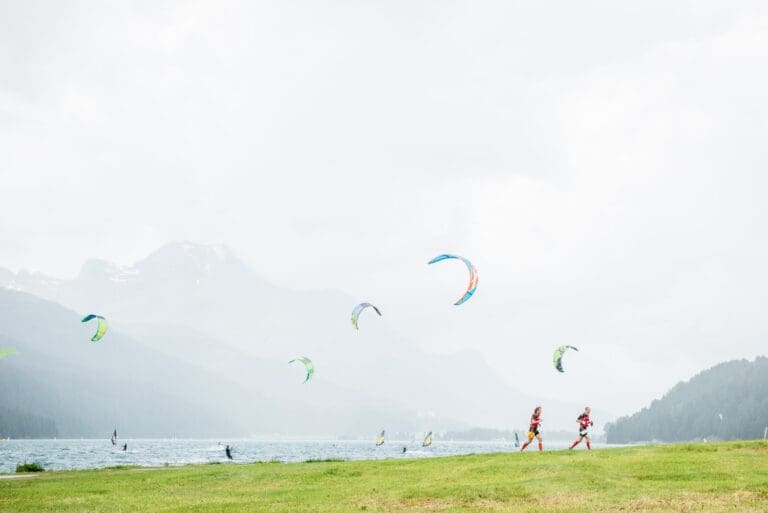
x: 680, y: 478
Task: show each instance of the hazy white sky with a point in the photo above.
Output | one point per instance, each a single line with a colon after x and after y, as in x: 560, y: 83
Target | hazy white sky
x: 603, y: 163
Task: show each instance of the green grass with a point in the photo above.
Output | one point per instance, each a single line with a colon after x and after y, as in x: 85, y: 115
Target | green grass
x: 724, y: 477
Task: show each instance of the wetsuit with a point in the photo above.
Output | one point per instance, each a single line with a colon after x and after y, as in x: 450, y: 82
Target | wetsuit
x: 533, y: 429
x: 584, y: 423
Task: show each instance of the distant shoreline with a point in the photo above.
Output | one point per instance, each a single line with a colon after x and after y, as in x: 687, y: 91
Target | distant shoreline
x: 76, y: 454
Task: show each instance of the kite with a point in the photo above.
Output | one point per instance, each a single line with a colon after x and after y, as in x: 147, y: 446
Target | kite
x: 358, y: 309
x: 307, y: 364
x: 380, y: 439
x: 7, y: 352
x: 101, y: 327
x: 427, y: 440
x: 557, y: 358
x: 473, y: 278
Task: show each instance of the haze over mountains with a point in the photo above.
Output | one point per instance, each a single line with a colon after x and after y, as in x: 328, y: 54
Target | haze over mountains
x: 198, y: 346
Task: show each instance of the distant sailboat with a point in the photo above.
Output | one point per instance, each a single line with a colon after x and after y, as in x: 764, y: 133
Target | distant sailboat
x: 427, y: 440
x: 380, y: 439
x: 114, y: 437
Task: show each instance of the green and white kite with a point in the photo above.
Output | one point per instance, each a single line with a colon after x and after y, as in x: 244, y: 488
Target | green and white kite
x: 308, y: 365
x: 557, y: 358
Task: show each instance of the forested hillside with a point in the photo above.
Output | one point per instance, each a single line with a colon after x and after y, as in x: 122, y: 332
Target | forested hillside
x: 727, y: 402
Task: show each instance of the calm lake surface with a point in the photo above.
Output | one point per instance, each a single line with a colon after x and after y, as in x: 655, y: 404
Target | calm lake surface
x: 85, y: 454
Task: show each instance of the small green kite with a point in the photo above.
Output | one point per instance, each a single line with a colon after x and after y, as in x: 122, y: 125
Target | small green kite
x: 557, y: 358
x: 101, y: 327
x: 308, y: 365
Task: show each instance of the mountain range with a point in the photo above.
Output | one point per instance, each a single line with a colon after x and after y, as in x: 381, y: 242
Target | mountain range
x: 198, y: 346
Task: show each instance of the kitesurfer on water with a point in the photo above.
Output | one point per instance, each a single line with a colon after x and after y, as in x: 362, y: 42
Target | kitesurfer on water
x: 533, y: 430
x: 125, y: 447
x: 584, y: 423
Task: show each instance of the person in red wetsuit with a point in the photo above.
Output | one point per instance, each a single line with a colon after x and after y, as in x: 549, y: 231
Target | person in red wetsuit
x: 584, y: 424
x: 533, y: 430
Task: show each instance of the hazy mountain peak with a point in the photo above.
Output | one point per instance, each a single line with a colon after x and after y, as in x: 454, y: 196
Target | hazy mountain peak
x: 177, y: 258
x: 28, y: 280
x: 95, y: 269
x: 189, y: 256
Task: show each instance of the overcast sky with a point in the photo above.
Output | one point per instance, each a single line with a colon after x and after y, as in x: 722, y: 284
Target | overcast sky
x: 603, y: 164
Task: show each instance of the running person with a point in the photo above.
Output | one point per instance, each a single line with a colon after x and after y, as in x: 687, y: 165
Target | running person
x: 533, y: 430
x: 584, y: 423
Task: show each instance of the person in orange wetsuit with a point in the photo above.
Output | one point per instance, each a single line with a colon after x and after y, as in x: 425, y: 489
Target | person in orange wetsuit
x: 533, y: 430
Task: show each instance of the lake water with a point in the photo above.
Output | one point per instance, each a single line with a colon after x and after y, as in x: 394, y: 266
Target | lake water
x: 84, y: 454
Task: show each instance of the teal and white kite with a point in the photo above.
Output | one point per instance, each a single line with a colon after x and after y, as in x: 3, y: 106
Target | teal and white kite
x: 358, y: 309
x: 473, y: 278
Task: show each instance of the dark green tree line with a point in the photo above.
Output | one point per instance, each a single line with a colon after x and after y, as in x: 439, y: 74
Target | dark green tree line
x: 692, y: 410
